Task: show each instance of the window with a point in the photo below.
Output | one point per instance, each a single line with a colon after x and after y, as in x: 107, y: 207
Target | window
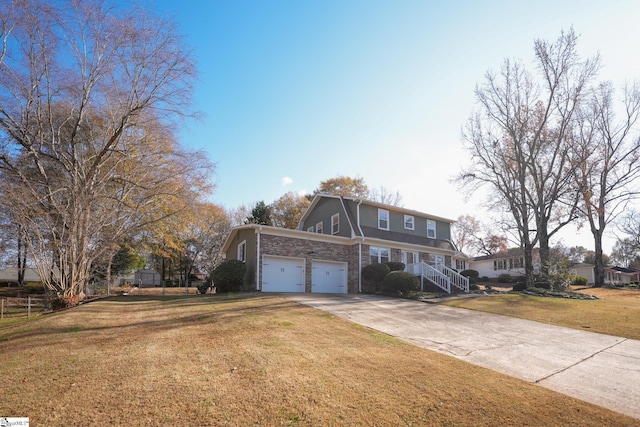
x: 436, y: 259
x: 517, y: 262
x: 335, y: 224
x: 383, y: 219
x: 408, y: 222
x: 380, y: 255
x: 310, y: 229
x: 319, y: 228
x: 431, y: 229
x: 461, y: 264
x: 500, y: 264
x: 242, y: 251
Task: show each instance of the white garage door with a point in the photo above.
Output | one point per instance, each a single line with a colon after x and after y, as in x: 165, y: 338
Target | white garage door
x: 280, y: 274
x: 329, y: 277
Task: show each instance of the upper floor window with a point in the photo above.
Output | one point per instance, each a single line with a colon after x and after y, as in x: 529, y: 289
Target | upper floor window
x: 408, y: 222
x: 310, y: 229
x: 242, y: 251
x: 320, y: 227
x: 431, y: 229
x: 383, y: 219
x: 335, y: 224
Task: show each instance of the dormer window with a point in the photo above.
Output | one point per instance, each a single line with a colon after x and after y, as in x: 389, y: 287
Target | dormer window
x: 383, y: 219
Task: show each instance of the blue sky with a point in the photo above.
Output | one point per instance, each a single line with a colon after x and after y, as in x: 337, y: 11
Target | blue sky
x: 296, y: 92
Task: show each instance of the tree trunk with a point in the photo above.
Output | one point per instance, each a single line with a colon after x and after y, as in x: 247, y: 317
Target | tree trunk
x: 22, y: 256
x: 598, y: 269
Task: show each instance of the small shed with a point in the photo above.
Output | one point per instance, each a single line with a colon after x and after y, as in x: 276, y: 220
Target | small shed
x: 147, y: 277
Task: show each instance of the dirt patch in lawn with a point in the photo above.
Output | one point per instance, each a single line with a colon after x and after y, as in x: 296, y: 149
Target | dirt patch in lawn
x: 615, y: 312
x: 252, y: 360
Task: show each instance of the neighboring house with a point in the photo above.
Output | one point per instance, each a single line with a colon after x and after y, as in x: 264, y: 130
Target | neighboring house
x: 146, y: 277
x: 621, y: 275
x: 336, y: 238
x: 10, y: 274
x: 510, y: 262
x: 583, y: 269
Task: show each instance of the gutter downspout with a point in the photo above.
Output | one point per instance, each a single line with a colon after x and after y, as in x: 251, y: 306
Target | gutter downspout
x: 258, y: 266
x: 359, y: 247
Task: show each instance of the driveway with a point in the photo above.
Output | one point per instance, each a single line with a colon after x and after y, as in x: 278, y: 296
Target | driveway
x: 597, y: 368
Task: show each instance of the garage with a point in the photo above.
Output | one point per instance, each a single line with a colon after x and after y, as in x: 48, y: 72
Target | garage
x: 282, y: 274
x: 329, y: 277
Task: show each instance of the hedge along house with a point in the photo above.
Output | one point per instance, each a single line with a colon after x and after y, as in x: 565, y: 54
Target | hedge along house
x: 336, y: 237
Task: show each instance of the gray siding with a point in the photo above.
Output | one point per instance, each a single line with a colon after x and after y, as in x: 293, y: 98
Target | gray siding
x: 323, y: 211
x: 369, y: 218
x: 251, y: 248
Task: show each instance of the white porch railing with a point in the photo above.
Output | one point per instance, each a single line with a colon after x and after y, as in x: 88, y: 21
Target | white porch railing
x: 445, y: 277
x: 458, y: 280
x: 436, y: 277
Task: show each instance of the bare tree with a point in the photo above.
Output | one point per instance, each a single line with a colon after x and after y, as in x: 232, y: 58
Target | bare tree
x: 518, y: 141
x: 630, y: 225
x: 85, y: 90
x: 383, y: 195
x: 624, y: 252
x: 606, y: 162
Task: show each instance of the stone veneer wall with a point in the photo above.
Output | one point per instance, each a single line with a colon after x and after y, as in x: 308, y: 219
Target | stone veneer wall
x: 313, y: 250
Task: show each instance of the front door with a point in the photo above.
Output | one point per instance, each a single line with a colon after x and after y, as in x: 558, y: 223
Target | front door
x: 411, y: 262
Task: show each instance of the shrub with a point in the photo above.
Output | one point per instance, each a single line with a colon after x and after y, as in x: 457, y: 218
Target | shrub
x: 519, y: 286
x: 203, y: 287
x: 543, y: 284
x: 504, y: 278
x: 579, y: 281
x: 395, y: 266
x: 473, y: 287
x: 228, y: 276
x: 373, y: 275
x: 61, y: 303
x: 375, y: 272
x: 470, y: 273
x: 401, y: 281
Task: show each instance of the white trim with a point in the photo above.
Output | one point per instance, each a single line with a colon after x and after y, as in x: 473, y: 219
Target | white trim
x: 337, y: 223
x: 359, y: 267
x: 388, y: 249
x: 413, y: 222
x: 320, y: 227
x: 430, y: 221
x: 383, y: 212
x: 258, y: 265
x: 242, y: 245
x: 310, y: 230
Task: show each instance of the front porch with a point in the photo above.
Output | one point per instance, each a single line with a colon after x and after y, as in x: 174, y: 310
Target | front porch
x: 439, y: 275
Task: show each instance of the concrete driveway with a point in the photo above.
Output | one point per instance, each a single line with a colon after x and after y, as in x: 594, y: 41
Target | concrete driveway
x: 597, y: 368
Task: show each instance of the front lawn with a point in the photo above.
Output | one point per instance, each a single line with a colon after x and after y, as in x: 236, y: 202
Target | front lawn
x: 251, y: 360
x: 616, y: 312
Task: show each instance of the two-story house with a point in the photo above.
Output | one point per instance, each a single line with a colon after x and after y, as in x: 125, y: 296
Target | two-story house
x: 336, y: 237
